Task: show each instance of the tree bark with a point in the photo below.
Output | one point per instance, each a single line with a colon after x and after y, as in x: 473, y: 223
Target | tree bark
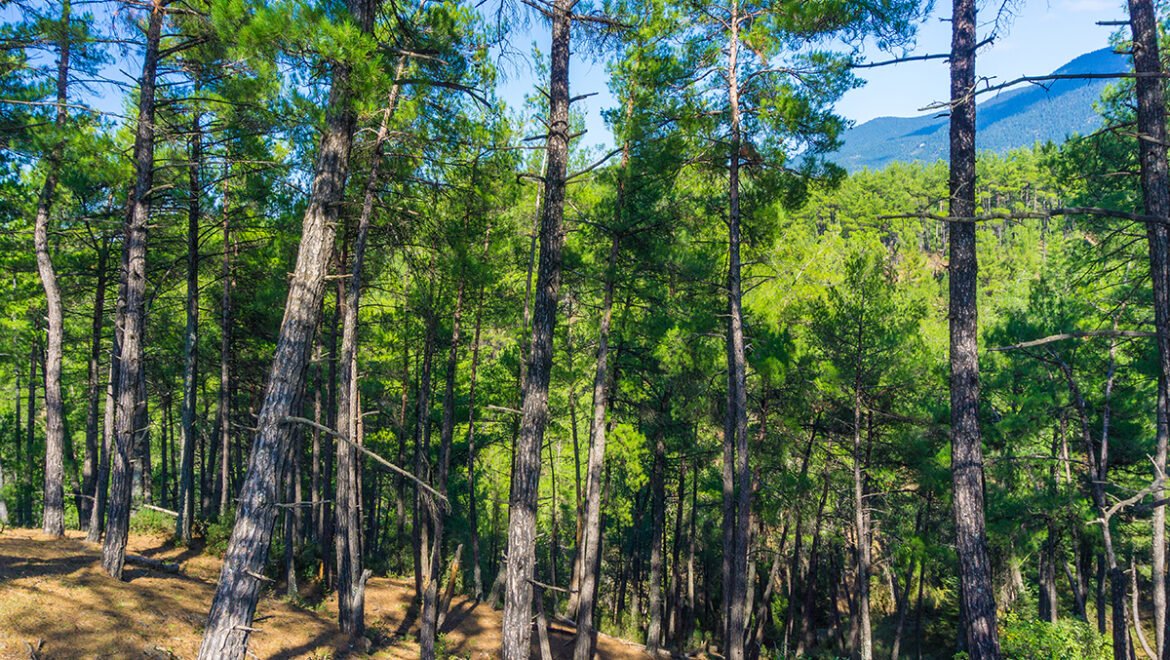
x: 186, y: 505
x: 517, y: 627
x: 223, y: 485
x: 132, y: 311
x: 591, y: 533
x: 737, y: 489
x: 53, y: 520
x: 1155, y: 182
x: 430, y: 610
x: 864, y: 633
x: 976, y: 590
x: 234, y: 604
x: 94, y: 444
x: 472, y: 503
x: 351, y: 615
x: 97, y: 518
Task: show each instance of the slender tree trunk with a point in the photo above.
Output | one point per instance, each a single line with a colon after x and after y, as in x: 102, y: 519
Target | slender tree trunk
x: 144, y: 440
x: 132, y: 316
x: 976, y: 591
x: 1155, y: 180
x: 430, y: 610
x: 94, y: 447
x: 351, y: 611
x: 53, y: 521
x: 591, y: 534
x: 234, y: 605
x: 735, y: 433
x: 472, y: 501
x: 864, y: 633
x: 657, y: 528
x: 315, y: 476
x: 674, y: 625
x: 517, y: 628
x: 225, y: 358
x: 422, y: 447
x: 97, y: 518
x: 31, y: 427
x: 186, y: 505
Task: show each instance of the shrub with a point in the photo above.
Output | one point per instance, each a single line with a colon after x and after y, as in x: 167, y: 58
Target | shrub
x: 1069, y: 639
x: 218, y: 533
x: 149, y: 521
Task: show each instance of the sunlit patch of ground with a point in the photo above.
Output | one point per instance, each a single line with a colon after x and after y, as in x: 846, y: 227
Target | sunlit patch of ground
x: 55, y: 600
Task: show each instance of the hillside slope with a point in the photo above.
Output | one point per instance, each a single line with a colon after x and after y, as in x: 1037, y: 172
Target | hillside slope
x: 1012, y: 119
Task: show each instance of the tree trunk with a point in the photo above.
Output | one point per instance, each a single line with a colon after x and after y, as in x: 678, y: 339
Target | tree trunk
x: 472, y: 504
x: 234, y: 605
x: 736, y: 520
x: 223, y: 485
x: 430, y: 610
x: 863, y: 631
x: 186, y: 505
x: 591, y: 533
x: 350, y: 611
x: 517, y: 628
x: 53, y: 521
x: 97, y: 518
x: 657, y: 528
x: 132, y: 316
x: 1155, y: 180
x: 30, y: 429
x: 976, y: 591
x: 94, y: 447
x: 674, y: 625
x: 316, y: 492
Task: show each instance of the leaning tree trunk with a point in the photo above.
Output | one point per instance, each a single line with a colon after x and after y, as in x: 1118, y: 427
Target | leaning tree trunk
x: 351, y: 605
x: 53, y: 521
x: 132, y: 311
x: 186, y: 505
x: 534, y: 411
x: 976, y: 590
x: 1155, y: 178
x: 234, y: 605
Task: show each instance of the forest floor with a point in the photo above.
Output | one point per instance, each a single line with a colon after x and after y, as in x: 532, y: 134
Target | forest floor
x: 55, y: 602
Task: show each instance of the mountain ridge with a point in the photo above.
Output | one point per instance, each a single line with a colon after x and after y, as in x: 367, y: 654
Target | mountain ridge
x: 1009, y: 120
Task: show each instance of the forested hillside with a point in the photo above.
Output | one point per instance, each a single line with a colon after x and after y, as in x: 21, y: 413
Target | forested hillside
x: 312, y: 301
x: 1016, y: 117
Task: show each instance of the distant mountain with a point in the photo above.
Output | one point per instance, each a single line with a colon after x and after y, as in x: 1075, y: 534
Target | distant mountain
x: 1015, y: 118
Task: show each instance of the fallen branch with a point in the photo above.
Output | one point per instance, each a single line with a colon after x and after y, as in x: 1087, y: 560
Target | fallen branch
x: 153, y: 564
x: 161, y: 510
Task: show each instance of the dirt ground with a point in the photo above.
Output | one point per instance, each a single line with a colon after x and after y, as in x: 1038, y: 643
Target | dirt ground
x: 55, y: 602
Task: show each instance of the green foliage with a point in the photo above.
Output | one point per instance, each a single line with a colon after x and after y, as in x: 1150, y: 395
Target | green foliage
x: 149, y: 521
x: 1069, y: 639
x: 217, y: 533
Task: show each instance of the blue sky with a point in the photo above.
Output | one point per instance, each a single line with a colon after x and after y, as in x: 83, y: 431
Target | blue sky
x: 1040, y: 36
